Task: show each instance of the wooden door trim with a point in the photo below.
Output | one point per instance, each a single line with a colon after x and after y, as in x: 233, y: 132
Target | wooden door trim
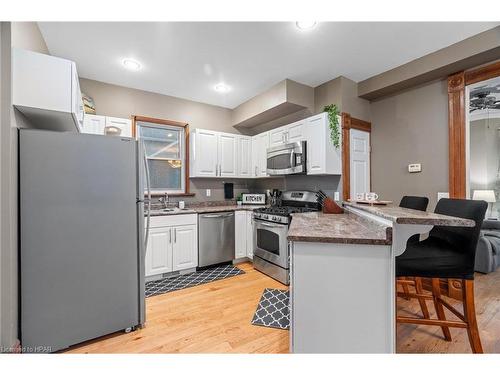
x: 178, y: 124
x: 457, y: 126
x: 349, y: 123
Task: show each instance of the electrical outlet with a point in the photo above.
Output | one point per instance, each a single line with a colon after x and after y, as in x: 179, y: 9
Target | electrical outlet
x: 415, y: 168
x: 336, y: 196
x: 209, y: 192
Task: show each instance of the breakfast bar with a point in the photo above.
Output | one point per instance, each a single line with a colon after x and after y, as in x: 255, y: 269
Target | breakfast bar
x: 342, y: 276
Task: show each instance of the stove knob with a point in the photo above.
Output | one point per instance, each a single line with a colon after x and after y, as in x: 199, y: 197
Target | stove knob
x: 264, y: 216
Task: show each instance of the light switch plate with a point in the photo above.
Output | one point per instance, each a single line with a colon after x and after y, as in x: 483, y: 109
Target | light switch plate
x: 336, y: 196
x: 209, y: 192
x: 415, y: 168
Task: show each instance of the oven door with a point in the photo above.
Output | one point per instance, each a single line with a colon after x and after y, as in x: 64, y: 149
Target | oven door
x: 286, y: 159
x: 270, y: 242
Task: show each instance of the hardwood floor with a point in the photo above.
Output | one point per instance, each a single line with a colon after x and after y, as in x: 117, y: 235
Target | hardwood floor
x: 215, y: 318
x: 209, y: 318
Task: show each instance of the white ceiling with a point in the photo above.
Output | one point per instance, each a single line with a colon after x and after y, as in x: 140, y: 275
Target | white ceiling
x: 186, y: 59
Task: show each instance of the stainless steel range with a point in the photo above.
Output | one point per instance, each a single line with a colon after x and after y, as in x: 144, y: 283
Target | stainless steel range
x: 271, y: 248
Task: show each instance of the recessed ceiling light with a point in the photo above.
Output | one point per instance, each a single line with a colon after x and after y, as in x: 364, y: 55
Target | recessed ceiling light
x: 131, y: 64
x: 305, y: 25
x: 222, y: 88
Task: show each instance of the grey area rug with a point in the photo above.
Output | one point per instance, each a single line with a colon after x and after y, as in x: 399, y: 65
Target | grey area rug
x: 153, y: 288
x: 273, y: 310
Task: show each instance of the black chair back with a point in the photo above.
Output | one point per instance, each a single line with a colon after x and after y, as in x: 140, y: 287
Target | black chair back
x: 415, y: 203
x: 464, y: 239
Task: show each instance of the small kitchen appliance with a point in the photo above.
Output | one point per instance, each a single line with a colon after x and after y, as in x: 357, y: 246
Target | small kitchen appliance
x: 287, y: 159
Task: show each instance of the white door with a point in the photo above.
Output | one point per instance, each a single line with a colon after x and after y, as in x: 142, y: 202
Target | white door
x: 360, y: 161
x: 240, y: 234
x: 277, y: 136
x: 94, y: 124
x: 227, y: 155
x: 184, y: 247
x: 122, y: 123
x: 159, y: 251
x: 204, y: 153
x: 295, y: 132
x: 245, y: 157
x: 249, y: 228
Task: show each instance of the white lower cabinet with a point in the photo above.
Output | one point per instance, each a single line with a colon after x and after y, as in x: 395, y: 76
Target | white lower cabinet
x: 159, y: 251
x: 243, y: 233
x: 172, y: 244
x: 184, y: 247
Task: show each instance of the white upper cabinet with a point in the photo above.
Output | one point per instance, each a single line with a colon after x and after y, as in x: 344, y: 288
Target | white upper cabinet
x: 94, y: 124
x: 277, y: 136
x: 260, y: 144
x: 46, y: 89
x: 124, y: 124
x: 203, y: 153
x: 244, y: 151
x: 227, y: 154
x: 322, y: 156
x: 215, y: 154
x: 295, y: 132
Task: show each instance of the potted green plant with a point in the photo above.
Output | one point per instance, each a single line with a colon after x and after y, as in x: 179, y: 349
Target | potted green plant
x: 239, y: 199
x: 333, y: 112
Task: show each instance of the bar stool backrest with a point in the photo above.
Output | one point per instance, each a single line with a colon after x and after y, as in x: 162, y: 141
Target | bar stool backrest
x: 464, y: 239
x: 415, y: 203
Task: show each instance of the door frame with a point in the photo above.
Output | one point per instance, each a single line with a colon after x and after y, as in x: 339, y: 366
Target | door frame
x: 456, y: 123
x: 348, y: 123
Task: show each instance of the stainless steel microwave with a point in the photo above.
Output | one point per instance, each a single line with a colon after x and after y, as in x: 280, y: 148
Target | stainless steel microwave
x: 286, y: 159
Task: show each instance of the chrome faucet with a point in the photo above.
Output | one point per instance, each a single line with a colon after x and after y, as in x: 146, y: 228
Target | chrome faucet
x: 164, y: 200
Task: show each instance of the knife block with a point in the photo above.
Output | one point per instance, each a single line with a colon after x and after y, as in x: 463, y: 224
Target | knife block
x: 330, y: 207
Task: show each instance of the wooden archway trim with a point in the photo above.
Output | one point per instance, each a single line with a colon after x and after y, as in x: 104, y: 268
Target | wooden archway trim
x: 349, y: 123
x: 456, y: 123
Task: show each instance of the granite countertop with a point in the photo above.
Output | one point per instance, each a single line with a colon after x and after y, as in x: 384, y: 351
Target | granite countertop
x: 402, y: 215
x: 346, y: 228
x: 205, y: 209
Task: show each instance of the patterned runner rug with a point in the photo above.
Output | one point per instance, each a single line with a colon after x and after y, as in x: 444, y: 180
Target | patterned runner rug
x: 273, y: 309
x: 153, y: 288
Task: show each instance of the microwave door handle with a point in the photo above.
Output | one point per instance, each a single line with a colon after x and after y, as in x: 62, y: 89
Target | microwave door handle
x: 292, y: 158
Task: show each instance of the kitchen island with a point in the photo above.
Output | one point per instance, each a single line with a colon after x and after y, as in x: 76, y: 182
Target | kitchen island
x: 342, y: 288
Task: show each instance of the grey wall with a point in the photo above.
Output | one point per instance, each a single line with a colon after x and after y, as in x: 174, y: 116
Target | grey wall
x: 411, y: 127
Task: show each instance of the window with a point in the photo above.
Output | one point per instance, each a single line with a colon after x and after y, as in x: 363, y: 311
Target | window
x: 165, y: 145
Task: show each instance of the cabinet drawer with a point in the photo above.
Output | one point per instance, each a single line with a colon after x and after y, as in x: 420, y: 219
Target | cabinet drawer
x: 172, y: 220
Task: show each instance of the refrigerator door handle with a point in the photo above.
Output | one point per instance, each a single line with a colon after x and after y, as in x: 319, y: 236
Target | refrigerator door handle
x: 148, y: 187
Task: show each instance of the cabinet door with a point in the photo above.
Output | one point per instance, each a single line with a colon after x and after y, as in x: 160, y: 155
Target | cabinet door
x: 240, y: 234
x: 316, y: 143
x: 122, y: 123
x: 245, y: 157
x: 204, y: 153
x: 159, y: 251
x: 227, y: 155
x: 94, y: 124
x: 295, y: 132
x: 185, y: 247
x: 250, y: 240
x: 277, y: 136
x: 259, y: 154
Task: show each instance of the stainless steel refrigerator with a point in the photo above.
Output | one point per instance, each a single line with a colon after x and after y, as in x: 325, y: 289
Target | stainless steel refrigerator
x: 81, y: 237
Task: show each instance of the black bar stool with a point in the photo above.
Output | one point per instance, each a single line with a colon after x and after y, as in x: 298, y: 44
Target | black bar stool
x: 414, y: 203
x: 448, y: 253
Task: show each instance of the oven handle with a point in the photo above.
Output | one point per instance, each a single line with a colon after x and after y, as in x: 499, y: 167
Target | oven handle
x: 269, y: 225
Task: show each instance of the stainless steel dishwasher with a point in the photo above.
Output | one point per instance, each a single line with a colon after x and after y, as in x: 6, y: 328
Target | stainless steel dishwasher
x: 215, y: 238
